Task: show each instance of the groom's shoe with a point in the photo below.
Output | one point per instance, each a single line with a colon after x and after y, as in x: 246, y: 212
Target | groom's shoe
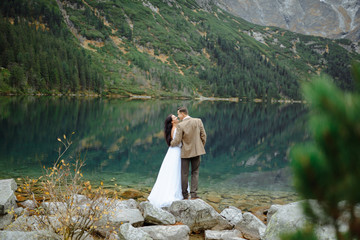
x: 193, y: 198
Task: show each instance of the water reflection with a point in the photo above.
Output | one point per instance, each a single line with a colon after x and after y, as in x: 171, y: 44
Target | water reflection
x: 123, y: 140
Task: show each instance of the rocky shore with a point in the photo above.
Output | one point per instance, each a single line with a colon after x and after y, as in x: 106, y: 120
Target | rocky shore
x: 139, y: 219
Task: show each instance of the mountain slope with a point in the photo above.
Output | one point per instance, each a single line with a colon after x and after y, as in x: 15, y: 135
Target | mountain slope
x: 172, y: 48
x: 326, y: 18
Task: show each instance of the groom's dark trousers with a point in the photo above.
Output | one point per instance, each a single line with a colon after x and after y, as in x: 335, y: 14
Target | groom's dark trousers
x: 185, y: 163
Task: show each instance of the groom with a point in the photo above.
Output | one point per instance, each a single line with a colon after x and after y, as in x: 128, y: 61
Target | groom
x: 190, y: 131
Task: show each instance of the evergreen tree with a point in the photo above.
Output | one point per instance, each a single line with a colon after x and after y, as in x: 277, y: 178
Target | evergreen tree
x: 328, y: 169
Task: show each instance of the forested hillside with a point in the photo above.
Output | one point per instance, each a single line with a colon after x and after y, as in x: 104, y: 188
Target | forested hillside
x: 159, y: 48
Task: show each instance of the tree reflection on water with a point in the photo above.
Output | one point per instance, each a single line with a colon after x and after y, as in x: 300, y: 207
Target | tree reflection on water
x: 119, y: 136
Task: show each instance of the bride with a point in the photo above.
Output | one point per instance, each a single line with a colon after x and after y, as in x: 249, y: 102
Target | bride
x: 167, y: 187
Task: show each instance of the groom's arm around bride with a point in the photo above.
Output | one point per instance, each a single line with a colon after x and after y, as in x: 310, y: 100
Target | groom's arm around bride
x: 191, y: 133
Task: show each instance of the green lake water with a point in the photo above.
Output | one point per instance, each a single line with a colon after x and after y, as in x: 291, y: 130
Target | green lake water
x: 122, y: 140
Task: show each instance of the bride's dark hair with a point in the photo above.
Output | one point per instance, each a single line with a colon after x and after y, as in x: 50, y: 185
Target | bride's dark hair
x: 167, y: 129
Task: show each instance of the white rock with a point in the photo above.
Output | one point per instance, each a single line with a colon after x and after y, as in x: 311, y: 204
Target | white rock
x: 54, y: 207
x: 272, y: 210
x: 31, y: 223
x: 8, y: 183
x: 251, y: 226
x: 223, y: 235
x: 116, y: 218
x: 232, y: 214
x: 128, y: 232
x: 32, y: 235
x: 156, y: 215
x: 289, y: 218
x: 7, y: 196
x: 132, y: 216
x: 29, y: 204
x: 81, y: 199
x: 18, y: 211
x: 177, y: 232
x: 126, y: 204
x: 5, y: 220
x: 198, y: 215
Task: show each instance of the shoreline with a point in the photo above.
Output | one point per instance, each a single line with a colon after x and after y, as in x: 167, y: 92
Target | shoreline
x: 256, y: 201
x: 149, y: 97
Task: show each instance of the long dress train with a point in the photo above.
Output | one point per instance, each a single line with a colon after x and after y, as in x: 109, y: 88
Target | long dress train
x: 167, y: 187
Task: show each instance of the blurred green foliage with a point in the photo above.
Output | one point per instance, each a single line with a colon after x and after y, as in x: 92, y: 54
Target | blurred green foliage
x: 328, y: 169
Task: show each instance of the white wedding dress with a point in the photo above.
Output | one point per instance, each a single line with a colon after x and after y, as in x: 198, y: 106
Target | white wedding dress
x: 167, y: 187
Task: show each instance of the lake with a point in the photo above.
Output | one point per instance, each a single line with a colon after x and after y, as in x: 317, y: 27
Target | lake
x: 122, y: 140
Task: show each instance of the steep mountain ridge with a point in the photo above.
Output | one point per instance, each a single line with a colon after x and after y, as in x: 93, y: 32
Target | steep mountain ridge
x: 166, y: 48
x: 326, y: 18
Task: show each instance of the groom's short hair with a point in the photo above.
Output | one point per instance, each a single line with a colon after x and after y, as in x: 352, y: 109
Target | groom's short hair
x: 183, y: 110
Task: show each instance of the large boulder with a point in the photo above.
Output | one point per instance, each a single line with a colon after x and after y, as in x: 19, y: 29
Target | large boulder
x: 251, y: 227
x: 198, y: 215
x: 31, y: 223
x: 177, y: 232
x: 7, y: 196
x: 232, y: 214
x: 115, y: 219
x: 290, y: 218
x: 128, y: 232
x: 33, y: 235
x: 156, y: 215
x: 223, y: 235
x: 272, y: 210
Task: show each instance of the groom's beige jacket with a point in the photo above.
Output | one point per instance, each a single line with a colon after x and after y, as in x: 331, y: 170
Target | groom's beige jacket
x: 192, y: 134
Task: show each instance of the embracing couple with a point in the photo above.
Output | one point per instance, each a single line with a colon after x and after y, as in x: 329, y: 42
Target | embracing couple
x: 186, y: 141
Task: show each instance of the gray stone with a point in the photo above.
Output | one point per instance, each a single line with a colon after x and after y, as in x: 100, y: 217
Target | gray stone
x: 177, y: 232
x: 251, y: 226
x: 31, y: 223
x: 54, y: 207
x: 132, y: 216
x: 18, y: 211
x: 5, y: 220
x: 198, y: 215
x: 7, y: 196
x: 272, y: 210
x: 128, y: 232
x: 9, y: 183
x: 232, y: 214
x: 81, y: 199
x: 33, y: 235
x: 289, y: 218
x: 29, y: 204
x: 156, y: 215
x: 116, y: 218
x: 223, y: 235
x: 85, y: 236
x: 126, y: 204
